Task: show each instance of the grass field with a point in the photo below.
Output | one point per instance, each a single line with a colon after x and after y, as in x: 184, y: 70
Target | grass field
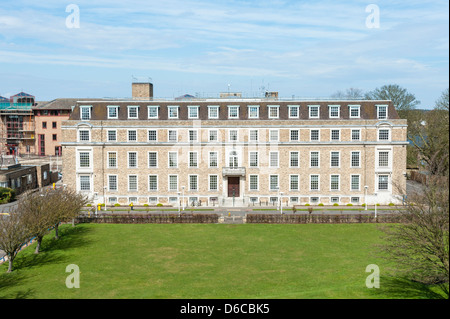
x: 206, y: 261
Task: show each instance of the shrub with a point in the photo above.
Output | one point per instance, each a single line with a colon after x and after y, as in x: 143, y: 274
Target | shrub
x: 306, y: 204
x: 116, y: 204
x: 7, y: 195
x: 145, y: 205
x: 378, y: 204
x: 391, y: 204
x: 320, y: 204
x: 88, y: 205
x: 335, y: 204
x: 159, y: 205
x: 349, y: 204
x: 363, y: 205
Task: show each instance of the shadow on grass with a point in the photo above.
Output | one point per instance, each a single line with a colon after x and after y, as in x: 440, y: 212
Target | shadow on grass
x: 10, y: 280
x: 50, y: 253
x: 402, y: 288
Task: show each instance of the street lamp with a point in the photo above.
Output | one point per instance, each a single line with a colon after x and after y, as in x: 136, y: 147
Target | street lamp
x: 182, y: 187
x: 375, y: 204
x: 178, y: 200
x: 281, y: 202
x: 365, y: 196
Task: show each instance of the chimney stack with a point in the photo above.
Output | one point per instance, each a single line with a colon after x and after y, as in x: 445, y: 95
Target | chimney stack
x: 142, y: 90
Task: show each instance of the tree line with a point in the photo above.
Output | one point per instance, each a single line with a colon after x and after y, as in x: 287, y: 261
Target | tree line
x: 35, y: 215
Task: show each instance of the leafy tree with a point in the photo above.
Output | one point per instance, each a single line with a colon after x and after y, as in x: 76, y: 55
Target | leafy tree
x: 430, y: 136
x: 419, y: 244
x: 402, y: 99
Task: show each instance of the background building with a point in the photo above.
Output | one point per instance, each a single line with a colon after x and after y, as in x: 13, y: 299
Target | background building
x: 235, y: 151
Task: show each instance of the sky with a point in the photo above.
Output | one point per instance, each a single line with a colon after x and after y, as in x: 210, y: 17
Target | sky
x: 302, y: 49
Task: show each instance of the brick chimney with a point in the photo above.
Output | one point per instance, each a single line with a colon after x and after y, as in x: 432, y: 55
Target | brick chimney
x: 142, y: 90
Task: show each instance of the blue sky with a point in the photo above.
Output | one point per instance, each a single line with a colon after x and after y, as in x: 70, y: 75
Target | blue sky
x: 298, y: 48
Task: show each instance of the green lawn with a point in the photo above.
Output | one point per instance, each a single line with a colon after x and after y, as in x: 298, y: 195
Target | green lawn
x: 206, y: 261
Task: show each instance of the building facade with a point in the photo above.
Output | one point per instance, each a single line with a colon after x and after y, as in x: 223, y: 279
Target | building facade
x: 235, y: 152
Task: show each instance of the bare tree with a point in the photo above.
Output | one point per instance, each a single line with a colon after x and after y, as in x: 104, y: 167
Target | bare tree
x: 36, y: 208
x: 66, y: 204
x: 13, y: 235
x: 351, y: 94
x: 419, y: 244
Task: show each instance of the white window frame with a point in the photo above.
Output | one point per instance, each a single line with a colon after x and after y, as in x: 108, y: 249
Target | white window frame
x: 377, y: 181
x: 384, y: 128
x: 250, y: 189
x: 338, y: 182
x: 269, y: 108
x: 330, y: 108
x: 195, y: 131
x: 148, y: 159
x: 318, y: 111
x: 88, y: 135
x: 277, y: 187
x: 108, y: 158
x: 311, y: 133
x: 196, y: 160
x: 209, y: 182
x: 331, y: 135
x: 168, y: 136
x: 157, y: 182
x: 129, y: 107
x: 210, y: 107
x: 148, y: 135
x: 196, y: 182
x: 175, y: 107
x: 229, y: 135
x: 354, y: 107
x: 128, y: 135
x: 351, y: 159
x: 351, y: 183
x: 379, y: 106
x: 128, y: 183
x: 270, y: 135
x: 290, y: 159
x: 250, y: 153
x: 216, y: 135
x: 249, y: 112
x: 152, y: 107
x: 197, y: 110
x: 168, y: 183
x: 176, y: 159
x: 331, y: 159
x: 318, y: 159
x: 318, y: 183
x: 108, y: 137
x: 290, y: 182
x: 128, y: 159
x: 116, y: 107
x: 250, y: 135
x: 230, y: 107
x: 277, y: 159
x: 209, y: 159
x: 290, y: 135
x: 84, y: 107
x: 109, y: 183
x: 359, y: 135
x: 79, y: 182
x: 293, y: 107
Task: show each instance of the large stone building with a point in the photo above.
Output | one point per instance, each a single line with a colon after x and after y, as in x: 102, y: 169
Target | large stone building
x: 235, y: 151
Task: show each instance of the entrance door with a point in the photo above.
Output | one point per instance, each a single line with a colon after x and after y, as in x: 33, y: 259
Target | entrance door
x: 233, y: 186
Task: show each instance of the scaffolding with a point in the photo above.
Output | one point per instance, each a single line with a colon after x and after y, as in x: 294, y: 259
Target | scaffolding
x: 17, y: 127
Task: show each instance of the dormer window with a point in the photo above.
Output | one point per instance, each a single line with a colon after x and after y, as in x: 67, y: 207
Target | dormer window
x: 354, y: 111
x: 173, y: 112
x: 382, y: 112
x: 334, y: 111
x: 273, y: 111
x: 133, y: 111
x: 314, y: 111
x: 152, y: 111
x: 85, y: 112
x: 193, y: 112
x: 113, y: 111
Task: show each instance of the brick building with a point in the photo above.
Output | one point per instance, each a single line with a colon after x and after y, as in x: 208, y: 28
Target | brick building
x: 235, y: 151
